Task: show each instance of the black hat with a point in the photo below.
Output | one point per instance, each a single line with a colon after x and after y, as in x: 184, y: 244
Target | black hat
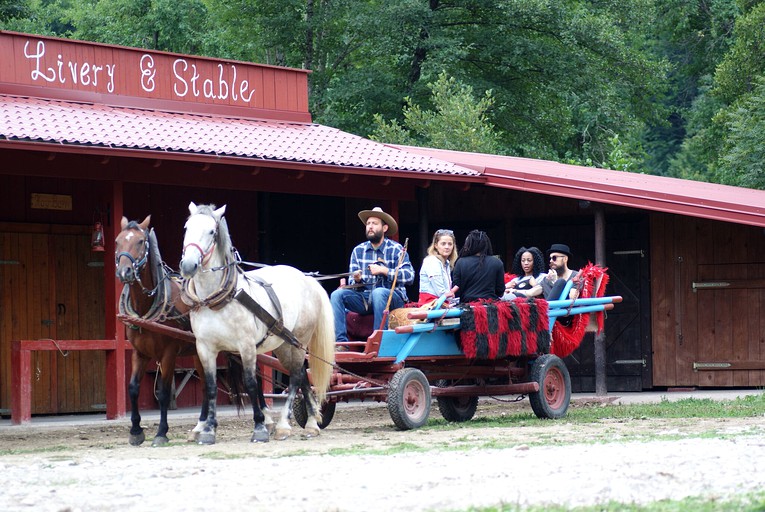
x: 559, y: 248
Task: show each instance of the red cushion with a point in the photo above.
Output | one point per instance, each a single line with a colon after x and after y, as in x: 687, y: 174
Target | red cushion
x: 360, y: 327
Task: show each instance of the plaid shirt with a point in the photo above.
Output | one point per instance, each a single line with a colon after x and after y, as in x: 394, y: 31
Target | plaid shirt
x: 388, y: 253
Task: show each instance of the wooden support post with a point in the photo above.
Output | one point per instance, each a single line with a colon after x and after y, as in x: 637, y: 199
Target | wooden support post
x: 601, y: 387
x: 422, y: 207
x: 116, y: 391
x: 21, y: 384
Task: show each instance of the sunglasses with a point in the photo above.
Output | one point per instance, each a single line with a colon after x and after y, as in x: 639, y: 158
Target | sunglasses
x: 556, y: 257
x: 445, y: 232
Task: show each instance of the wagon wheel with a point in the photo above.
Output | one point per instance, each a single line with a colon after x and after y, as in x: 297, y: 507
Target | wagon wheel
x: 300, y: 412
x: 554, y: 395
x: 409, y: 398
x: 456, y: 408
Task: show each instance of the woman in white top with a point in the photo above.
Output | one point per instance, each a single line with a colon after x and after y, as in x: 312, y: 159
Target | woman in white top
x: 528, y: 267
x: 436, y: 270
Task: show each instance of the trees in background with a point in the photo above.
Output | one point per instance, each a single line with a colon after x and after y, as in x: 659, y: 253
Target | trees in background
x: 669, y: 87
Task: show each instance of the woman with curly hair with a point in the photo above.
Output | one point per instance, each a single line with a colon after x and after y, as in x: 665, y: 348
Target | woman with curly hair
x: 529, y: 269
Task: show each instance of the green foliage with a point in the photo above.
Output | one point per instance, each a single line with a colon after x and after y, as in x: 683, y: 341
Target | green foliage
x: 459, y: 121
x: 722, y: 140
x: 742, y: 159
x: 736, y: 74
x: 168, y: 25
x: 10, y: 9
x: 693, y: 37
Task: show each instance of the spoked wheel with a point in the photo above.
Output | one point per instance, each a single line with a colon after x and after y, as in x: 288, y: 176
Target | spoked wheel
x: 456, y: 408
x: 554, y: 395
x: 300, y: 412
x: 409, y: 399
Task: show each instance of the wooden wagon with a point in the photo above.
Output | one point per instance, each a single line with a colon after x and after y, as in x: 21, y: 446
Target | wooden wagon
x: 408, y: 365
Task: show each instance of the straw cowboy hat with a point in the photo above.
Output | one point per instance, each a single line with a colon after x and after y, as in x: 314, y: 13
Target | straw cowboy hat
x: 380, y: 214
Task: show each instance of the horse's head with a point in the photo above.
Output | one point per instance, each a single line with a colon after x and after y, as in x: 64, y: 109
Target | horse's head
x: 202, y: 236
x: 131, y: 249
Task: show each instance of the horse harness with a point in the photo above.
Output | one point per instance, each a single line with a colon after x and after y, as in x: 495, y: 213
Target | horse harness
x: 228, y: 291
x: 274, y: 325
x: 162, y: 308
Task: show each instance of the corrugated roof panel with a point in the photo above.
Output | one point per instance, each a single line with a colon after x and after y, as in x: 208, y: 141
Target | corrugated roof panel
x: 642, y: 191
x: 88, y: 124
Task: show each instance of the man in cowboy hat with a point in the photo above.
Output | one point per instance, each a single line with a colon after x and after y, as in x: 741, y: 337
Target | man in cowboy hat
x: 559, y: 273
x: 373, y: 267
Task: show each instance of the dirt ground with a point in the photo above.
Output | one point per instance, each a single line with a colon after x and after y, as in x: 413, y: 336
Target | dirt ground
x: 361, y: 462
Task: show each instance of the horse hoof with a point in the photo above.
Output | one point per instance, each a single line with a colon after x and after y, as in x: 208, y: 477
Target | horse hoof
x: 260, y: 434
x: 160, y: 441
x: 311, y: 432
x: 193, y: 437
x: 206, y: 438
x: 281, y: 434
x: 137, y: 439
x: 270, y: 427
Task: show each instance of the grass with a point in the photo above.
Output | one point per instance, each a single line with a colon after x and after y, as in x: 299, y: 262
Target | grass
x: 754, y: 502
x: 742, y: 407
x: 43, y: 449
x: 601, y: 416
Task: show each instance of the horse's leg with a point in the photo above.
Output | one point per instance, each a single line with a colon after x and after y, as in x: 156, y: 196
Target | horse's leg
x: 313, y: 409
x: 260, y: 431
x: 293, y: 361
x: 138, y: 361
x: 164, y: 394
x: 207, y: 434
x: 264, y: 407
x: 193, y: 436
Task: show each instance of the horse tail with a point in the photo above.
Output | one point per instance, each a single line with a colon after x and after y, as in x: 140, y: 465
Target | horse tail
x: 235, y: 380
x: 321, y: 348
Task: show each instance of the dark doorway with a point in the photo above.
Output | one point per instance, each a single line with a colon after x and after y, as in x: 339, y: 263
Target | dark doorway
x: 627, y: 327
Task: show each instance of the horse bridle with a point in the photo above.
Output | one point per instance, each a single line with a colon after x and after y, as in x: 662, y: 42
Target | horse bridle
x: 137, y: 264
x: 205, y: 254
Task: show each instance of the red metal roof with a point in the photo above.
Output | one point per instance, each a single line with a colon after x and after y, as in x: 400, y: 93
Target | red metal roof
x: 88, y: 125
x: 643, y: 191
x: 85, y: 124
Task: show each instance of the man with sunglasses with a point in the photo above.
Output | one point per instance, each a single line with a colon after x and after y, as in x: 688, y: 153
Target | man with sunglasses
x: 559, y: 273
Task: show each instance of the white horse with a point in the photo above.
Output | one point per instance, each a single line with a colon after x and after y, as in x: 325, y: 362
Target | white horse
x: 222, y: 322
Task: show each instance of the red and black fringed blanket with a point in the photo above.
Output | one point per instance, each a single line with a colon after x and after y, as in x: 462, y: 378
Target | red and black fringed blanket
x: 496, y: 329
x: 567, y: 338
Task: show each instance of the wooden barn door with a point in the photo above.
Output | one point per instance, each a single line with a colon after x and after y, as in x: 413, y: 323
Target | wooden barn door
x: 51, y: 287
x: 628, y: 325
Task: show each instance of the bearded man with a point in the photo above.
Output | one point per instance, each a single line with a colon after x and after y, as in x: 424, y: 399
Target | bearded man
x: 373, y: 267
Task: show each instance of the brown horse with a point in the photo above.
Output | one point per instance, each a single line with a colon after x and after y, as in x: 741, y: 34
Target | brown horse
x: 150, y: 294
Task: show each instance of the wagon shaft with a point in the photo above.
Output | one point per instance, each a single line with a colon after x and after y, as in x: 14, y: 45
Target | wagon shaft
x: 159, y: 328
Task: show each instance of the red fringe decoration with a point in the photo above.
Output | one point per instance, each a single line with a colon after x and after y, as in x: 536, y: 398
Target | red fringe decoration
x: 566, y: 339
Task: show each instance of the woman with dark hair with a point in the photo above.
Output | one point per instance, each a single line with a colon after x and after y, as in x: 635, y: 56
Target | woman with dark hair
x: 529, y: 269
x: 477, y: 273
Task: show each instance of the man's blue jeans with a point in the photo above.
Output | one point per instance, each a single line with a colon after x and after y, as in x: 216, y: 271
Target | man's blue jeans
x: 344, y: 299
